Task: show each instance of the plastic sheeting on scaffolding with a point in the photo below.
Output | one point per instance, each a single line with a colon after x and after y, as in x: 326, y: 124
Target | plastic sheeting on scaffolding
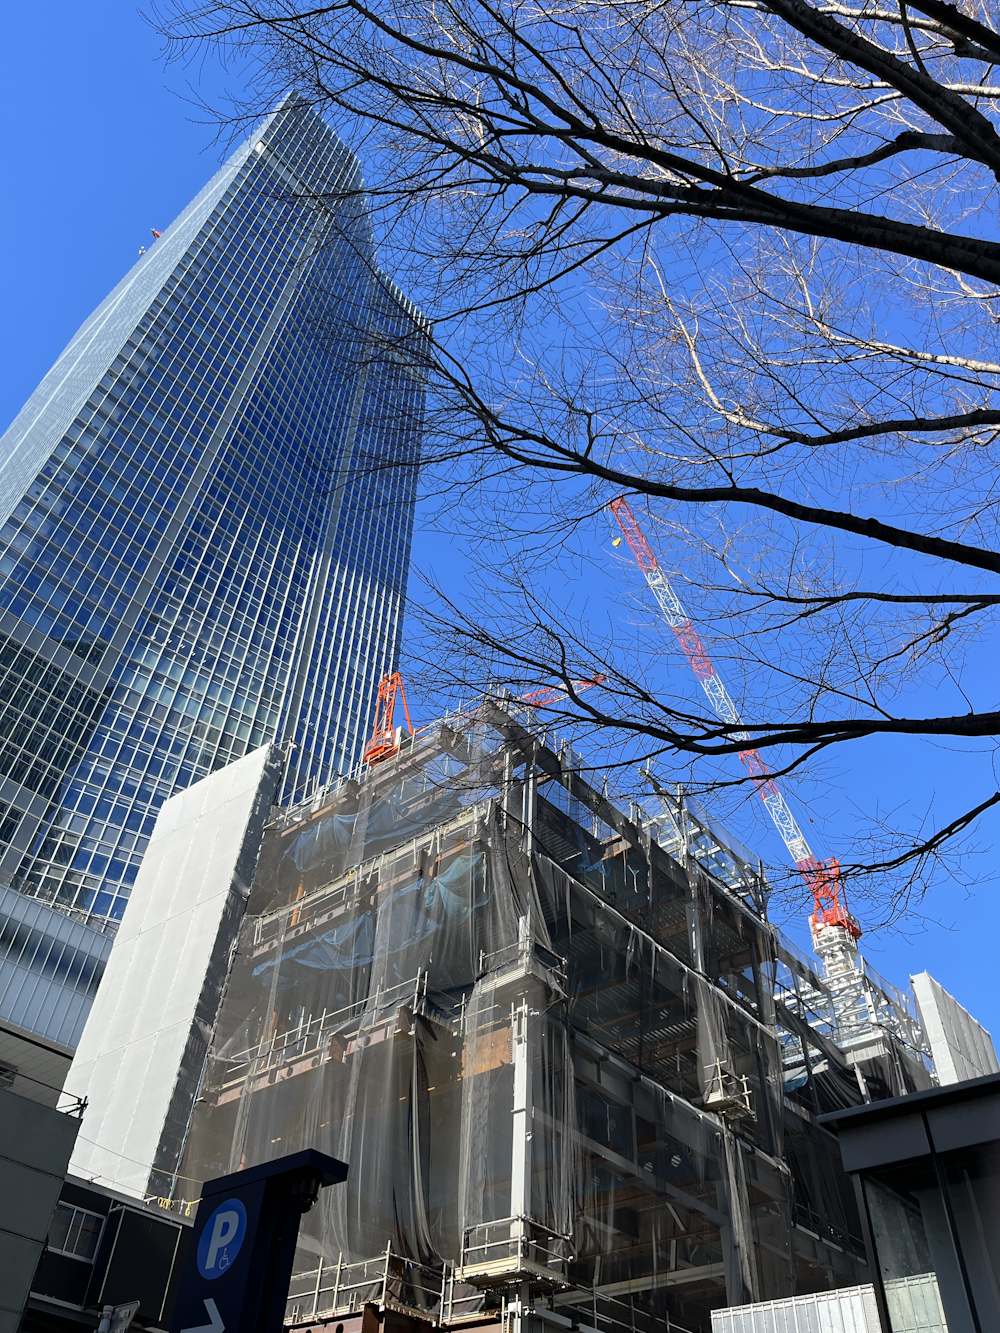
x: 546, y: 1049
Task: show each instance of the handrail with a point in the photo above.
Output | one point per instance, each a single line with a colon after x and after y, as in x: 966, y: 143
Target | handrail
x: 387, y: 1279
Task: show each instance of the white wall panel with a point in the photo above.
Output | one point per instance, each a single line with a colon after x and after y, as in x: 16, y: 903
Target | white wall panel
x: 152, y: 1018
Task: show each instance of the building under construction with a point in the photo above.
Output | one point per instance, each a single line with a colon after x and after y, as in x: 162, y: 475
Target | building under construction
x: 572, y: 1067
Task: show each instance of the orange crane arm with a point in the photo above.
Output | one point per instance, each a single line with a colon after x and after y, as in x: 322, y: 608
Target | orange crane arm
x: 383, y: 744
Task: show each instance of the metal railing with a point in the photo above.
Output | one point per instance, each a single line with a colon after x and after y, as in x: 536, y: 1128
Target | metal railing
x: 312, y: 1037
x: 389, y: 1281
x: 513, y: 1247
x: 438, y: 1295
x: 608, y: 1314
x: 728, y: 1093
x: 822, y: 1229
x: 521, y: 954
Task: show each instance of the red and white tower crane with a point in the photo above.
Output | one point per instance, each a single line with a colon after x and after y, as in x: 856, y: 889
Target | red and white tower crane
x: 821, y: 876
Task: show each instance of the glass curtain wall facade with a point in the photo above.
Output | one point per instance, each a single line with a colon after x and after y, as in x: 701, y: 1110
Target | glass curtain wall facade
x: 206, y: 513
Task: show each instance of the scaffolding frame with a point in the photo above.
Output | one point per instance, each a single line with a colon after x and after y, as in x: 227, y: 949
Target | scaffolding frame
x: 620, y: 1070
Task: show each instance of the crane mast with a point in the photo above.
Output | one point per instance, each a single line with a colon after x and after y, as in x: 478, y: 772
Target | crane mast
x: 821, y: 876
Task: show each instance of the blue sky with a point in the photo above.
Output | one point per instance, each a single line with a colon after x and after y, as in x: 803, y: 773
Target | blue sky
x: 103, y: 143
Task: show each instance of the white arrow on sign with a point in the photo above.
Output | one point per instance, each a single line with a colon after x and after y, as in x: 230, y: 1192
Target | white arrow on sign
x: 216, y: 1326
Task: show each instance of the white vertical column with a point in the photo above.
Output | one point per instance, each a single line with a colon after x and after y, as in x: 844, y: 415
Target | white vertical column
x: 520, y: 1166
x: 522, y: 1058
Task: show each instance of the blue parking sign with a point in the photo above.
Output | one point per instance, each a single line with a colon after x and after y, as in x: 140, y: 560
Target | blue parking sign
x: 239, y: 1263
x: 221, y: 1239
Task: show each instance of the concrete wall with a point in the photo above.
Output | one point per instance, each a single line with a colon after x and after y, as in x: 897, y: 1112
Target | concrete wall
x: 141, y: 1054
x: 35, y: 1144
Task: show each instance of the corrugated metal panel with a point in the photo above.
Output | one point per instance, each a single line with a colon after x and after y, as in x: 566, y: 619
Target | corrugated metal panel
x: 50, y: 967
x: 850, y: 1310
x: 915, y: 1304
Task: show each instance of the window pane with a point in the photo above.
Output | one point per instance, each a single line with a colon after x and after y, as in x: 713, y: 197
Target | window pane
x: 59, y: 1227
x: 89, y: 1235
x: 973, y: 1177
x: 75, y: 1231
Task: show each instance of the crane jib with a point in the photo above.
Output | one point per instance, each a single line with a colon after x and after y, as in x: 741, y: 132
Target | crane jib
x: 822, y: 877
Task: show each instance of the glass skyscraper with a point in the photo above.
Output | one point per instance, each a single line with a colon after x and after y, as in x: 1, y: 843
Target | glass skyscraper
x: 206, y: 513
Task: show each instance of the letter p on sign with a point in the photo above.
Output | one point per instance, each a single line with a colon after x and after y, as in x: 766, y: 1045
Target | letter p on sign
x: 221, y: 1240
